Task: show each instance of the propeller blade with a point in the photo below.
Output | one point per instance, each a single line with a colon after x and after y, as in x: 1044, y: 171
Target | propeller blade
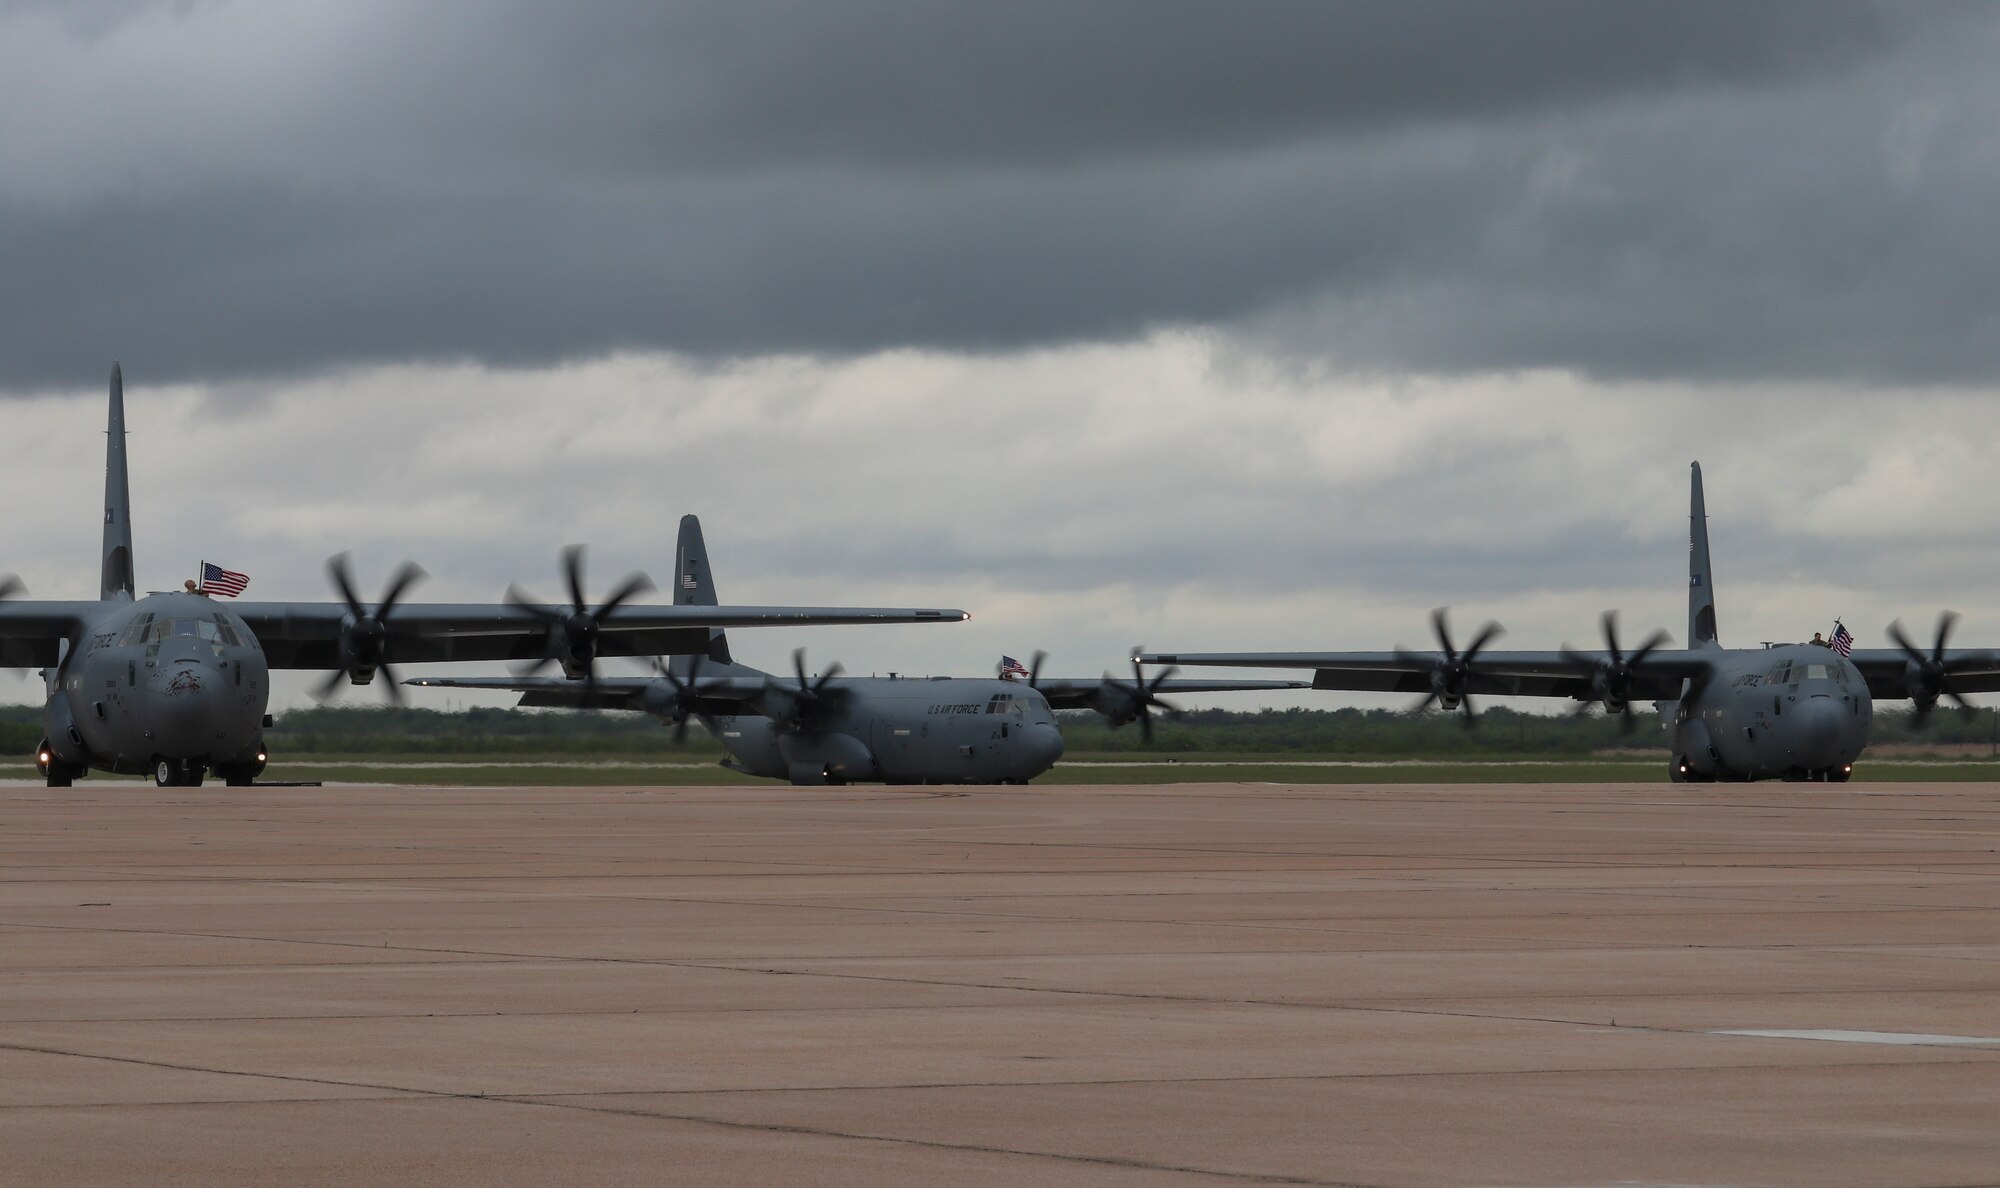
x: 1903, y: 641
x: 1945, y: 623
x: 1487, y: 635
x: 1035, y: 667
x: 631, y: 588
x: 533, y: 666
x: 324, y: 689
x: 10, y: 587
x: 1653, y: 642
x: 394, y: 687
x: 518, y: 597
x: 1610, y: 621
x: 572, y: 561
x: 799, y: 667
x: 336, y: 569
x: 410, y: 574
x: 1442, y: 629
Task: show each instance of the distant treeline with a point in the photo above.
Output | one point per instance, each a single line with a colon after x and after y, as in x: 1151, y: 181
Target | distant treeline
x: 1500, y: 732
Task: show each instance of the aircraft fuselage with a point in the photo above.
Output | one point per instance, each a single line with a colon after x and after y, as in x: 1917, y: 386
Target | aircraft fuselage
x: 904, y: 731
x: 169, y: 684
x: 1793, y: 711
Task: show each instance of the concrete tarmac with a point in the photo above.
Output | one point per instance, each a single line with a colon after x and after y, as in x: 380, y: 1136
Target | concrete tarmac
x: 1192, y: 984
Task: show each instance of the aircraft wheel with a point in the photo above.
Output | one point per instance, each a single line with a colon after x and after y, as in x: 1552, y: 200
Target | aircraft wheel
x: 1838, y: 775
x: 191, y: 775
x: 238, y: 780
x: 58, y: 779
x: 166, y: 774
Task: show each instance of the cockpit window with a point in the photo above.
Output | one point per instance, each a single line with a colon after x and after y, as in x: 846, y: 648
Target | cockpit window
x: 137, y: 631
x: 1780, y: 675
x: 209, y: 630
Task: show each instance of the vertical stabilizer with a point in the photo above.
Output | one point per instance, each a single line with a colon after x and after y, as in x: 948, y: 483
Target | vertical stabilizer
x: 117, y: 582
x: 1701, y: 583
x: 694, y: 584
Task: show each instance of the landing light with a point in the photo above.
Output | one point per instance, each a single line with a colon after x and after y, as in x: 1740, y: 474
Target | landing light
x: 261, y: 756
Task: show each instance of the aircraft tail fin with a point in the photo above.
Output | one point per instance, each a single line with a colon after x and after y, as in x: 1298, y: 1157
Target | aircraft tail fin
x: 694, y: 583
x: 1701, y: 584
x: 117, y: 572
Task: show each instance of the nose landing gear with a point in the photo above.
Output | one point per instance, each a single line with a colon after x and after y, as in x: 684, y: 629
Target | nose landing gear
x: 178, y: 773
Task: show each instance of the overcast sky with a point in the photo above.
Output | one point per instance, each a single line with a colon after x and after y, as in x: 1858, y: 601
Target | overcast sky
x: 1202, y: 326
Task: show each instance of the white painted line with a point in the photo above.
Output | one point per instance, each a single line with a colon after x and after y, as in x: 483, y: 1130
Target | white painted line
x: 1874, y: 1037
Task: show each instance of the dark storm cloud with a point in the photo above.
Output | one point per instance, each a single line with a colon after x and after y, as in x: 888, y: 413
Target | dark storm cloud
x: 1627, y: 189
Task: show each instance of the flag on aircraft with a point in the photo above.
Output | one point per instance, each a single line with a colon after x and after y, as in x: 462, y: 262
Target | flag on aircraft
x: 226, y: 582
x: 1843, y: 639
x: 1010, y: 667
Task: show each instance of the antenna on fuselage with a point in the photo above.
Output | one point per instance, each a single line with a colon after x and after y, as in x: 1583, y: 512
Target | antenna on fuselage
x: 117, y: 574
x: 1701, y: 584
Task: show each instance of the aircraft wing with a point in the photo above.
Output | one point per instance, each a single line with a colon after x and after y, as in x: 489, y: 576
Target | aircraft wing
x: 719, y: 695
x: 1081, y: 694
x: 1493, y: 673
x: 32, y: 630
x: 307, y: 634
x: 1887, y: 671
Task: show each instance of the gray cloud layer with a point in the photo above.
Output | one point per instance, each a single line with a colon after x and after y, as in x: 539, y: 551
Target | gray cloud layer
x: 1711, y: 190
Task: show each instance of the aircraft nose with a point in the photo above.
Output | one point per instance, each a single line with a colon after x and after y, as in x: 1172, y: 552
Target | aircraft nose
x: 186, y: 706
x: 1041, y: 746
x: 1817, y: 727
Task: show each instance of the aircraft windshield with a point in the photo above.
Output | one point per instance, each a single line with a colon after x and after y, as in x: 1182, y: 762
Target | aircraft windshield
x: 211, y: 629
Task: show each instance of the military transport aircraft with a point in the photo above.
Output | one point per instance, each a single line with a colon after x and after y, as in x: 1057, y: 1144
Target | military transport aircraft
x: 177, y: 683
x: 832, y: 729
x: 1791, y: 711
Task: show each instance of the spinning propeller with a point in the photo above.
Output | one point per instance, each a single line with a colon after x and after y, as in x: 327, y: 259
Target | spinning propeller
x: 572, y: 638
x: 811, y: 695
x: 365, y: 633
x: 1449, y: 676
x: 1611, y: 675
x: 1139, y: 697
x: 687, y: 693
x: 1929, y: 677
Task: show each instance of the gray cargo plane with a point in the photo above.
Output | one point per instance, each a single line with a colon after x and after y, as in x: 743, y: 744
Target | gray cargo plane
x: 1791, y: 711
x: 177, y: 684
x: 832, y: 729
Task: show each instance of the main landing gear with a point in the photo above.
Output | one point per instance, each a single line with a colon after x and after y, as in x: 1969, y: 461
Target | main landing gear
x: 178, y: 773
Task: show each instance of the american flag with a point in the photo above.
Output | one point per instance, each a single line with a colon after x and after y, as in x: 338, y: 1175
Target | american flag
x: 1843, y: 639
x: 226, y: 582
x: 1010, y: 667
